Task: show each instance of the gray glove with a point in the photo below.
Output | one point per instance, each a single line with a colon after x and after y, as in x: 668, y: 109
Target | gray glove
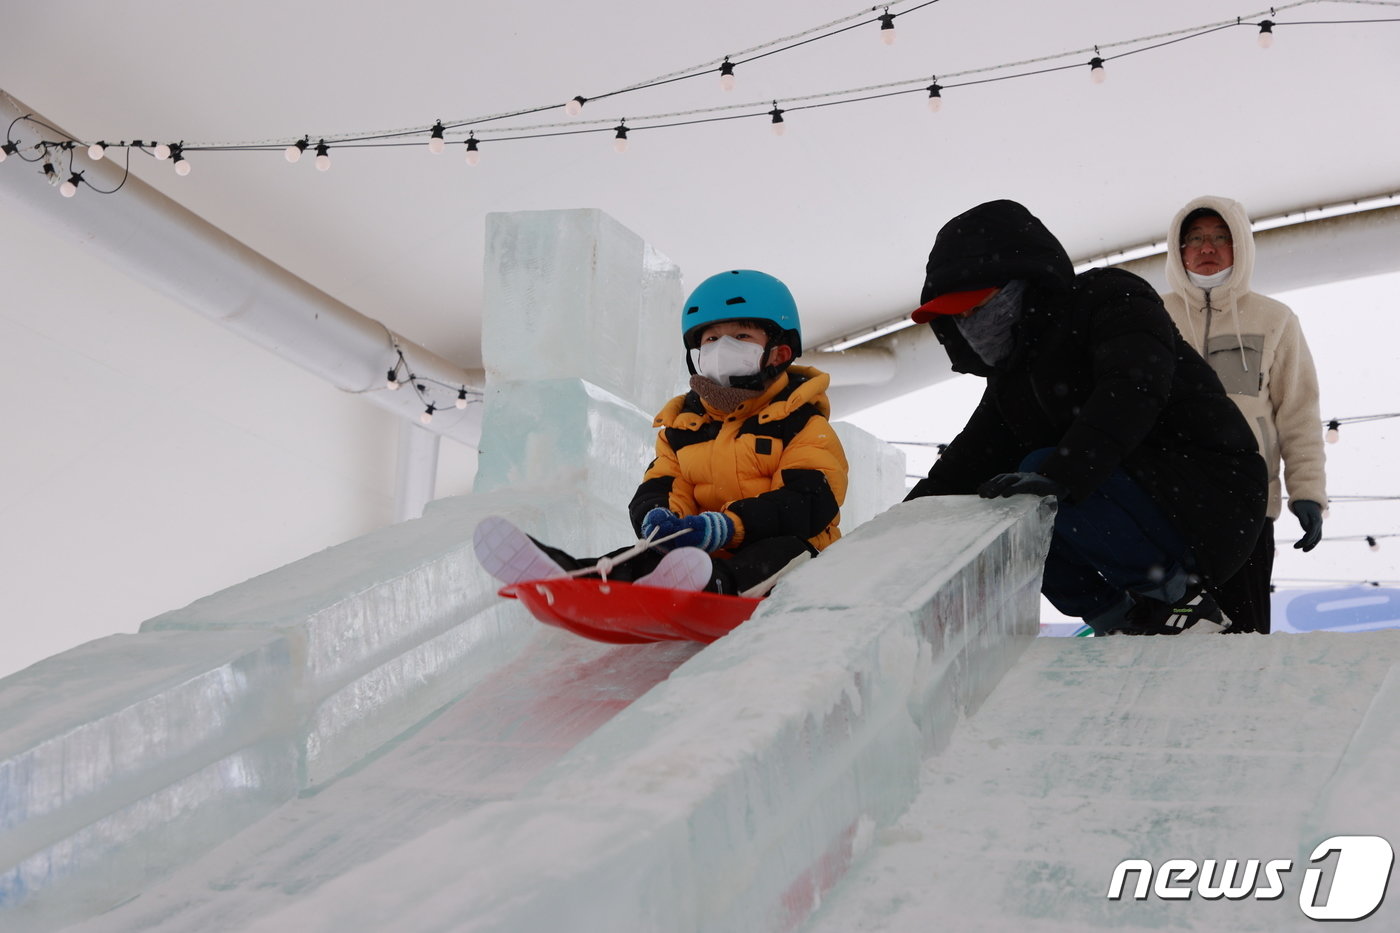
x: 1020, y: 484
x: 1309, y: 515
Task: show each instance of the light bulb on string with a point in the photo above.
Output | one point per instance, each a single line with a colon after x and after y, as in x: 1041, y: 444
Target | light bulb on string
x: 391, y: 381
x: 887, y: 27
x: 436, y: 143
x: 575, y: 106
x: 1334, y: 432
x: 726, y: 76
x: 427, y: 416
x: 1096, y: 71
x: 1266, y: 34
x: 323, y: 157
x: 620, y: 137
x: 7, y: 150
x: 777, y: 124
x: 97, y: 150
x: 50, y: 173
x: 294, y: 151
x: 473, y: 153
x: 182, y: 166
x: 935, y: 97
x: 161, y: 151
x: 461, y: 398
x: 1372, y: 543
x: 70, y: 187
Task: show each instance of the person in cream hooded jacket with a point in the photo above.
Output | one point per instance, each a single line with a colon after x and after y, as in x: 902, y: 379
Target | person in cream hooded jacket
x: 1256, y: 347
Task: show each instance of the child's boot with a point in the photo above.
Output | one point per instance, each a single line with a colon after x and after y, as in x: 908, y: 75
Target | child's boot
x: 685, y: 568
x: 509, y: 554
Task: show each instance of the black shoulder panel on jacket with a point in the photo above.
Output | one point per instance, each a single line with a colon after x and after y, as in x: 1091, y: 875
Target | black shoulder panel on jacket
x: 785, y: 429
x: 678, y: 437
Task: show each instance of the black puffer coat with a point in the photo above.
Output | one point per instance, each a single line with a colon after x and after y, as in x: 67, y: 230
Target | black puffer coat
x: 1100, y: 374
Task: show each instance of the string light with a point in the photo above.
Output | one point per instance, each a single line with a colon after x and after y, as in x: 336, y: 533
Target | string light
x: 1266, y: 34
x: 473, y: 153
x: 323, y: 157
x: 1372, y: 540
x: 177, y: 154
x: 7, y: 150
x: 887, y: 27
x: 726, y: 75
x: 161, y: 152
x: 97, y: 150
x: 294, y: 151
x: 50, y: 173
x: 935, y: 96
x: 435, y: 145
x: 1334, y: 433
x: 70, y: 187
x: 392, y: 381
x: 777, y: 122
x: 575, y: 105
x: 620, y: 137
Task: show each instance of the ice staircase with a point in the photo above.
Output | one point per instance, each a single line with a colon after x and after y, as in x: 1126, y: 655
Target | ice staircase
x: 1093, y: 752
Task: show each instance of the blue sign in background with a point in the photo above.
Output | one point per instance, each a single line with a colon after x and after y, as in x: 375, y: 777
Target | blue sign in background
x: 1352, y: 609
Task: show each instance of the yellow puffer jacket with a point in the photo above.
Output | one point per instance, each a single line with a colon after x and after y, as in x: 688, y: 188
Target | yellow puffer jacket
x: 774, y: 464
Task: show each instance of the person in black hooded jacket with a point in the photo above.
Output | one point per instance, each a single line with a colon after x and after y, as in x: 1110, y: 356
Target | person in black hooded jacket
x: 1093, y: 397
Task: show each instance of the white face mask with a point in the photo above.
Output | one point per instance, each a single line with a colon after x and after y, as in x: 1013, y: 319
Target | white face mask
x: 720, y: 359
x: 1210, y: 281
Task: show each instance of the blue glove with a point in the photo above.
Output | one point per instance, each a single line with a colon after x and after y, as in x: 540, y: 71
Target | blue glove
x: 1020, y: 484
x: 658, y: 518
x: 708, y: 531
x: 1309, y: 515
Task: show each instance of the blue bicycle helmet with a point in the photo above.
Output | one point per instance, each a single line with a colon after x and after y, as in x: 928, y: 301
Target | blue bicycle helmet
x: 742, y: 295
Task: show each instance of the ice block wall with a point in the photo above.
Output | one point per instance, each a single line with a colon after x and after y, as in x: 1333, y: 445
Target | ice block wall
x: 734, y: 794
x: 578, y: 358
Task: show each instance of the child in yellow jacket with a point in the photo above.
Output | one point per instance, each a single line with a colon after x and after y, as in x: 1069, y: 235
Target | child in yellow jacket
x: 748, y: 475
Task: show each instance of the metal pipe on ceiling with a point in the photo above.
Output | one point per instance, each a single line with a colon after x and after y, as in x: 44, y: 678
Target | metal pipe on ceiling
x: 150, y: 237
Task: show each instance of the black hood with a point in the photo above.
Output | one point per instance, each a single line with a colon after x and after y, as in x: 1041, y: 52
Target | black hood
x: 990, y: 245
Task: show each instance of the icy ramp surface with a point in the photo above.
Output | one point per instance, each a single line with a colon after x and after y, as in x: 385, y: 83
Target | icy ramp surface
x: 1091, y: 751
x: 482, y: 748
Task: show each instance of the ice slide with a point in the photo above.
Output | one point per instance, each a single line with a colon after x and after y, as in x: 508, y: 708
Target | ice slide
x: 884, y: 746
x: 573, y: 785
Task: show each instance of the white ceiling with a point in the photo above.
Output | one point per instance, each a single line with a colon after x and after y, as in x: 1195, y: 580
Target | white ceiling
x: 843, y: 207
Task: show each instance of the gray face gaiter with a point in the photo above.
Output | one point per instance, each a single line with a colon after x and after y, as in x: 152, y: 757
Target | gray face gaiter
x: 990, y: 330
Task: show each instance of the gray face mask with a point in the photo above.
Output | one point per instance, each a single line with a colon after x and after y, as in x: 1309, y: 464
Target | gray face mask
x: 990, y: 330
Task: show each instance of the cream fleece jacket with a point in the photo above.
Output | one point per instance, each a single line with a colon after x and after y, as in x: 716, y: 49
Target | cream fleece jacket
x: 1256, y: 347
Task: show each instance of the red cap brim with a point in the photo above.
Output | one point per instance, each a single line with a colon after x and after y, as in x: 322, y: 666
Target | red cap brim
x: 951, y: 303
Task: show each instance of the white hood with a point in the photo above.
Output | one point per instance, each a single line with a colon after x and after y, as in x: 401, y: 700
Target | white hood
x: 1238, y: 284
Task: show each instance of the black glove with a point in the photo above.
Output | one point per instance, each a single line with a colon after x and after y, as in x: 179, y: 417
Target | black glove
x: 1020, y: 484
x: 1309, y: 515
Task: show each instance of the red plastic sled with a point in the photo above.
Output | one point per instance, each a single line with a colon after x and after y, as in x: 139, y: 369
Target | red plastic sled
x: 624, y: 614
